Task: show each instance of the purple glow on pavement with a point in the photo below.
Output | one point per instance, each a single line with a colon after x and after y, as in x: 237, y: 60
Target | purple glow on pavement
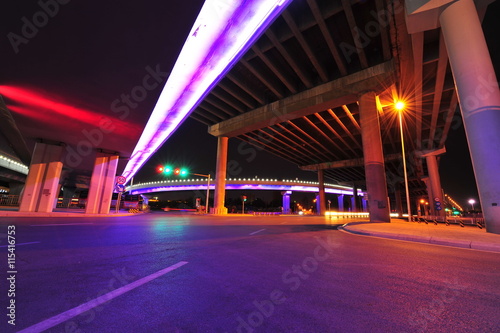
x: 220, y: 36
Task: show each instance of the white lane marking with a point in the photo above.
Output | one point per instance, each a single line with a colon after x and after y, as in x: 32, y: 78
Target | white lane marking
x: 18, y: 244
x: 253, y: 233
x: 62, y: 317
x: 57, y: 224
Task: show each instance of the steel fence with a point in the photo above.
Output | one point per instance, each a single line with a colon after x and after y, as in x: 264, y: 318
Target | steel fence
x: 9, y: 200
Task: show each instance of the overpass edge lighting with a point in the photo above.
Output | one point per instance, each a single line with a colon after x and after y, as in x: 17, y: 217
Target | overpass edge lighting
x: 176, y: 185
x: 212, y: 47
x: 13, y: 165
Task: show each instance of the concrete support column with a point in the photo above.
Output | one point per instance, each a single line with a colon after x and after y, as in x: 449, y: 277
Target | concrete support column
x: 435, y: 184
x: 365, y: 206
x: 479, y: 98
x: 42, y: 181
x: 286, y: 202
x: 220, y: 176
x: 354, y: 199
x: 376, y: 183
x: 102, y: 184
x: 427, y: 182
x: 321, y: 194
x: 353, y: 204
x: 419, y: 208
x: 341, y: 202
x: 317, y: 202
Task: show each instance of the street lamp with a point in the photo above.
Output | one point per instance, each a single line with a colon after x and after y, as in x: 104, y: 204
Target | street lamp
x: 472, y: 202
x: 399, y: 106
x: 208, y: 188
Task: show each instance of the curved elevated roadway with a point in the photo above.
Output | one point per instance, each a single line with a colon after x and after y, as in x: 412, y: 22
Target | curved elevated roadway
x: 238, y: 184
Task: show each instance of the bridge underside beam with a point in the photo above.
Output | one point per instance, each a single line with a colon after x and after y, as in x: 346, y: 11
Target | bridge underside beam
x: 326, y: 96
x: 355, y: 162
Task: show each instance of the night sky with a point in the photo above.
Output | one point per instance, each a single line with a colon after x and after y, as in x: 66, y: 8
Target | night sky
x: 90, y: 52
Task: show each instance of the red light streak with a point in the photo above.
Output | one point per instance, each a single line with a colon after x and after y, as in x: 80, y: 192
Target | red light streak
x: 46, y: 109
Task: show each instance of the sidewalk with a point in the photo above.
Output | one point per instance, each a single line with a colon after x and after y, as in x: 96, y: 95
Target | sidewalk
x: 453, y: 235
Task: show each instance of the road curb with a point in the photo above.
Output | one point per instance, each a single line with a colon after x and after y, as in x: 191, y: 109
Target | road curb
x: 465, y: 244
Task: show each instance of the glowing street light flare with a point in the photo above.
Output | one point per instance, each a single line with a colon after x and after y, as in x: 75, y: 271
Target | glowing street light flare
x: 472, y: 202
x: 399, y: 105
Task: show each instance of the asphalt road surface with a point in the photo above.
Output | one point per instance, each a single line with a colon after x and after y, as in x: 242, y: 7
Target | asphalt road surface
x: 165, y: 272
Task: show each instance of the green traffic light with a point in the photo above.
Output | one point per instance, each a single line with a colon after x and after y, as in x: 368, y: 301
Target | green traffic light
x: 168, y: 170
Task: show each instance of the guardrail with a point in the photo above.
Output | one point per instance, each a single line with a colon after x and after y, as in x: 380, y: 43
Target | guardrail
x: 348, y: 215
x: 462, y: 221
x: 9, y: 200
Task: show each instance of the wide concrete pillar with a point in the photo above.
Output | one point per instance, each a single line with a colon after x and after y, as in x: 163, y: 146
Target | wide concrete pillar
x: 42, y: 181
x: 376, y: 184
x: 321, y: 194
x: 479, y: 98
x: 220, y: 176
x: 436, y: 201
x: 102, y: 184
x: 286, y: 202
x: 341, y: 202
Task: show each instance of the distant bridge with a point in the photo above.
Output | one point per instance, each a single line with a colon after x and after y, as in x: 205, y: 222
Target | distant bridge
x: 254, y: 184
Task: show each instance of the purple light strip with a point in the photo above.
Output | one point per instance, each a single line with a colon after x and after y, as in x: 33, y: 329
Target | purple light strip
x: 222, y: 33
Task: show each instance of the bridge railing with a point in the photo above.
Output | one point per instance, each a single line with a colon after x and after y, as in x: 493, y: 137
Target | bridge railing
x: 9, y: 200
x: 462, y: 221
x: 348, y: 215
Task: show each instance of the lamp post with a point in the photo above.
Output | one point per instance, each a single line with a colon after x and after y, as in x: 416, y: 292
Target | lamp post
x: 208, y: 189
x: 399, y: 105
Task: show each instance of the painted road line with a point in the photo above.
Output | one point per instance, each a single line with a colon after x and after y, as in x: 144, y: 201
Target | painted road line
x: 57, y: 224
x: 19, y: 244
x: 253, y: 233
x: 60, y: 318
